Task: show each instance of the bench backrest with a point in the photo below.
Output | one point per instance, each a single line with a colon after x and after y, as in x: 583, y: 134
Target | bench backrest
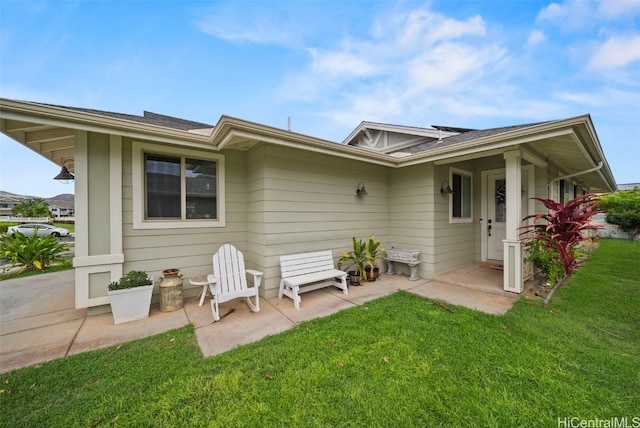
x: 303, y: 263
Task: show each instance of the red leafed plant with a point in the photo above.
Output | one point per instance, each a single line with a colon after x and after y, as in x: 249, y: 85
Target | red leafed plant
x: 565, y: 226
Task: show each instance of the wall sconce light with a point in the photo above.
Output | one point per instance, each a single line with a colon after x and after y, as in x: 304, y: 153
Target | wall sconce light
x: 361, y: 191
x: 445, y: 189
x: 65, y: 176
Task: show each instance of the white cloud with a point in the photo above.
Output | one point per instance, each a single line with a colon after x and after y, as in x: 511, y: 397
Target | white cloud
x: 387, y: 74
x: 586, y: 14
x: 450, y: 64
x: 616, y: 52
x: 618, y: 8
x: 570, y: 15
x: 419, y: 65
x: 422, y: 27
x: 535, y: 38
x: 340, y: 63
x: 231, y: 25
x: 582, y: 98
x: 377, y: 106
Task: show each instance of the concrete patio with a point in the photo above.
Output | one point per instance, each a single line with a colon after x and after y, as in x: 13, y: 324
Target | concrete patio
x: 38, y: 321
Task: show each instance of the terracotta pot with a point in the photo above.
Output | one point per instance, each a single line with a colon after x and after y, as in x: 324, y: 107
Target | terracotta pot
x: 371, y: 274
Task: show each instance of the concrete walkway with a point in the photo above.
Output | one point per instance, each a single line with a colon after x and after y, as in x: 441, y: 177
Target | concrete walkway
x: 38, y: 321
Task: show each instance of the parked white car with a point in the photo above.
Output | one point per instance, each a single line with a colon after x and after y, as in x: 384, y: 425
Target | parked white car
x: 42, y: 230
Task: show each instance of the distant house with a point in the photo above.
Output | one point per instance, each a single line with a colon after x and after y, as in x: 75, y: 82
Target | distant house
x: 156, y: 192
x: 628, y: 186
x: 7, y: 202
x: 61, y: 209
x: 58, y: 211
x: 61, y: 206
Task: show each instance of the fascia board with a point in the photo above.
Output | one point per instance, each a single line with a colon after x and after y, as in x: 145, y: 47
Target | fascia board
x: 355, y: 132
x: 225, y: 129
x: 610, y: 179
x: 228, y: 126
x: 513, y: 139
x: 85, y: 121
x: 309, y: 144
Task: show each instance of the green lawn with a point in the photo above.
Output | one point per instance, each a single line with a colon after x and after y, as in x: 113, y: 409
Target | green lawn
x: 400, y: 361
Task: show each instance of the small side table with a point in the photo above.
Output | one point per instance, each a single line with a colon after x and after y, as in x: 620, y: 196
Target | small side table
x: 204, y: 282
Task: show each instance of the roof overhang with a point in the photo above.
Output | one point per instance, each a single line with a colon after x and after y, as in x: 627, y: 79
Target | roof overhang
x: 571, y: 145
x: 51, y: 132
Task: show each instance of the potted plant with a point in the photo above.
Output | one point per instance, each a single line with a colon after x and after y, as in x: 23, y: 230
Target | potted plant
x: 359, y: 258
x: 130, y: 297
x: 374, y: 250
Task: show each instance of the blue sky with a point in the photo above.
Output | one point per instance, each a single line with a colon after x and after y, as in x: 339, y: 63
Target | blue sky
x: 328, y: 65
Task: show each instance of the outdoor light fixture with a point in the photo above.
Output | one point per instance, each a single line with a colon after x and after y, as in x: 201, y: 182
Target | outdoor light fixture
x: 361, y: 191
x: 65, y: 176
x: 445, y: 189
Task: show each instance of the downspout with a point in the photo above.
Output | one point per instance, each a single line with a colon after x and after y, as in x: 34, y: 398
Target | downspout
x: 595, y: 168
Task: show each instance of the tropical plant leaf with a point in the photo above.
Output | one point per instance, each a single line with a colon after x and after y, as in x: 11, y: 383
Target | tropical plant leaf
x: 564, y: 226
x: 32, y: 252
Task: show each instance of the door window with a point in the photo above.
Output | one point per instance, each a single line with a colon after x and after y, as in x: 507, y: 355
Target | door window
x: 501, y: 201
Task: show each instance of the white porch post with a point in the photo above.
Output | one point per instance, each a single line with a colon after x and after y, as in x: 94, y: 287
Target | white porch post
x: 513, y: 265
x: 98, y: 255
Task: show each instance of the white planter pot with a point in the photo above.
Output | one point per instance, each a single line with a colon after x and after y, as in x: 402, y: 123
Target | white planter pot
x: 130, y: 304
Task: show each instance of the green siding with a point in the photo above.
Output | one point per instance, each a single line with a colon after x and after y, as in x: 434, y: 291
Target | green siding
x: 282, y: 200
x: 189, y: 250
x: 309, y: 203
x: 98, y: 284
x: 412, y: 211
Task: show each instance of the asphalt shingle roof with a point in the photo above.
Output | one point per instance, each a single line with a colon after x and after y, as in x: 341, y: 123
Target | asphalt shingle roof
x: 149, y: 118
x: 461, y: 138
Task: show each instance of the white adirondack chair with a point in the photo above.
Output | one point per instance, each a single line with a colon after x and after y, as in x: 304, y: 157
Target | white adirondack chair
x: 229, y: 280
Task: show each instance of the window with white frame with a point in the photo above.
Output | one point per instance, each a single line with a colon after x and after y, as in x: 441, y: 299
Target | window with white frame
x: 177, y: 188
x: 461, y: 199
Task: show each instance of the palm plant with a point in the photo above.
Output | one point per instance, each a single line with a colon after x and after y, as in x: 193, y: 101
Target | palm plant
x: 35, y: 207
x: 358, y: 257
x: 374, y: 250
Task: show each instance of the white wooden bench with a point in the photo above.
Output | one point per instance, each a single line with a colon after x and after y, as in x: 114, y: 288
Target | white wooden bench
x: 309, y: 271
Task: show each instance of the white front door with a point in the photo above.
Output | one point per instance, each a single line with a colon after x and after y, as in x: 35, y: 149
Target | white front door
x: 497, y: 212
x: 496, y: 215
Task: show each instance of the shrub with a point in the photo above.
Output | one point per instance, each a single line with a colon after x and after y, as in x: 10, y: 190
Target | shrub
x: 564, y: 227
x: 623, y: 209
x: 32, y: 252
x: 546, y: 259
x: 135, y: 278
